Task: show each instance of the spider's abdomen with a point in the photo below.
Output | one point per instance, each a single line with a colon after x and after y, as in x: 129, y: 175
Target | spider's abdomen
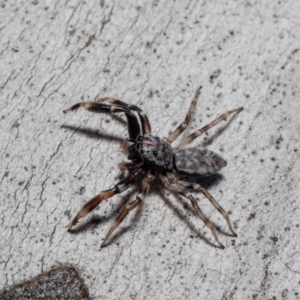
x: 198, y: 161
x: 157, y: 153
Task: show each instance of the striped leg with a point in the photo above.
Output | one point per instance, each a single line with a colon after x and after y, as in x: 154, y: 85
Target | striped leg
x: 203, y: 217
x: 133, y: 124
x: 172, y: 183
x: 205, y: 192
x: 146, y: 128
x: 118, y: 188
x: 173, y: 136
x: 192, y: 136
x: 140, y: 196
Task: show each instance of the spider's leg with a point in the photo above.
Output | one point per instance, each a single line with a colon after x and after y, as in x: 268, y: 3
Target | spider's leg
x: 174, y: 135
x: 140, y: 196
x: 172, y: 183
x: 203, y: 217
x: 146, y: 128
x: 195, y: 134
x: 205, y: 192
x: 133, y: 124
x: 118, y: 188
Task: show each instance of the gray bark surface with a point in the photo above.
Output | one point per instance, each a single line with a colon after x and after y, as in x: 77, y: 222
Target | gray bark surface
x: 61, y: 283
x: 154, y: 55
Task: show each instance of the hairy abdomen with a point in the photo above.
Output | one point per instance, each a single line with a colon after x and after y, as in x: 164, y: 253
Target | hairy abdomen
x: 198, y: 161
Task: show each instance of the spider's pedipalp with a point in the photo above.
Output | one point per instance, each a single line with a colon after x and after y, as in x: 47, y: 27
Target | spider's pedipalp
x: 146, y: 127
x: 140, y: 196
x: 197, y: 133
x: 133, y: 124
x: 173, y: 136
x: 118, y: 188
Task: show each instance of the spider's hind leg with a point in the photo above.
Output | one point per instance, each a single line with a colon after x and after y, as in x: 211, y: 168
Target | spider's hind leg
x: 203, y: 217
x: 205, y: 192
x: 172, y: 183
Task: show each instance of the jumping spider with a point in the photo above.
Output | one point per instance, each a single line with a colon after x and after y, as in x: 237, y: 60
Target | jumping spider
x: 152, y: 156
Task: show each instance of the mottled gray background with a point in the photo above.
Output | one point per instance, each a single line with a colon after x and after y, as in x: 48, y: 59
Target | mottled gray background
x: 153, y: 54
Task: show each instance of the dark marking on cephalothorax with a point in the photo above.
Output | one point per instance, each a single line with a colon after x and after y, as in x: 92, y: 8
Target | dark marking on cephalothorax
x: 156, y: 153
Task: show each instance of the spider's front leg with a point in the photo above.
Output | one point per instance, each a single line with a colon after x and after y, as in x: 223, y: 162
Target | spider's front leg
x: 140, y: 196
x: 118, y: 188
x: 146, y: 127
x: 133, y: 124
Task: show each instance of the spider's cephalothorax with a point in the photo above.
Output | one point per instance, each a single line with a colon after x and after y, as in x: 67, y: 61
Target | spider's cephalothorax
x: 155, y: 153
x: 153, y: 157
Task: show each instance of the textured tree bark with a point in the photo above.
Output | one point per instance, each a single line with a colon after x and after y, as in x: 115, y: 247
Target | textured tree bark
x: 153, y: 55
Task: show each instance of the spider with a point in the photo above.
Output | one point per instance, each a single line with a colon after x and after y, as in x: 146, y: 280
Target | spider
x: 153, y: 157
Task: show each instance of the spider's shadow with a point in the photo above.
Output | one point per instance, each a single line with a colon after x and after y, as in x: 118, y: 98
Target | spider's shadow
x: 93, y: 133
x: 206, y: 182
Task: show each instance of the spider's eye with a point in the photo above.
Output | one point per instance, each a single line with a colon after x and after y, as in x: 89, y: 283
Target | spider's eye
x: 140, y: 138
x: 138, y: 146
x: 155, y: 153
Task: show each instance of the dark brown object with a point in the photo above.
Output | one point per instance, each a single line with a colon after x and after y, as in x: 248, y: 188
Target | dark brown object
x: 151, y: 156
x: 61, y: 283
